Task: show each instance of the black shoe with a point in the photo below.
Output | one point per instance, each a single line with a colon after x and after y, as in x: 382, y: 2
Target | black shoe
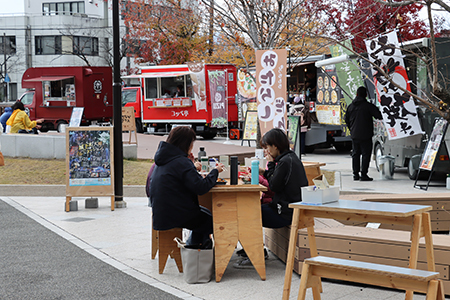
x: 242, y: 253
x: 356, y: 177
x: 366, y: 178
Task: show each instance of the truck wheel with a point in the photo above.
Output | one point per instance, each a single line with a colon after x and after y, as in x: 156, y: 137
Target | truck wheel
x: 59, y: 125
x: 139, y: 128
x: 310, y: 148
x: 208, y: 135
x: 412, y: 173
x: 343, y: 147
x: 378, y: 154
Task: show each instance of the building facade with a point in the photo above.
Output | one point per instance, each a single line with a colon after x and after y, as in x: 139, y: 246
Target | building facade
x: 42, y: 33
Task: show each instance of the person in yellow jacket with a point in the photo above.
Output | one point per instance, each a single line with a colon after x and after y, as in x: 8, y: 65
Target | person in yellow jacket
x: 20, y: 122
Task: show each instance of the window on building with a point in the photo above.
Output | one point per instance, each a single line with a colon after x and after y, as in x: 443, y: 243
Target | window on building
x: 63, y: 8
x: 10, y: 44
x: 85, y: 45
x: 48, y: 45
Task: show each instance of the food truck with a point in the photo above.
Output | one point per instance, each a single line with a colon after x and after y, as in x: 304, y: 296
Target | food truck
x: 194, y: 94
x: 55, y: 91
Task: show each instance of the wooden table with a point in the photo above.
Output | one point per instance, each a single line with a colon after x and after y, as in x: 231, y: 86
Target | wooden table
x: 361, y: 211
x: 236, y: 213
x: 312, y: 170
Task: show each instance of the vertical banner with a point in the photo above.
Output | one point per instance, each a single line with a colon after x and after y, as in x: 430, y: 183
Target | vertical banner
x: 433, y: 145
x: 271, y: 89
x: 246, y: 86
x: 397, y: 107
x: 348, y: 73
x: 217, y: 92
x: 197, y: 72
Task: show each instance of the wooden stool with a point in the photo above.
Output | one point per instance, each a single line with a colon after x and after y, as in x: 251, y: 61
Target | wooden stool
x: 381, y: 275
x: 163, y: 242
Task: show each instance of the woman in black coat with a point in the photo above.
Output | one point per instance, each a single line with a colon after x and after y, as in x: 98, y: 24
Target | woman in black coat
x: 286, y: 176
x: 175, y: 186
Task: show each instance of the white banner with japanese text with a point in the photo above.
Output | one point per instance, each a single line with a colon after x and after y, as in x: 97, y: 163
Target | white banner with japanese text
x: 271, y: 89
x: 397, y: 107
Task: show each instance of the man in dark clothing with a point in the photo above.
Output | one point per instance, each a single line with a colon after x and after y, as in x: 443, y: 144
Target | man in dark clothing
x: 359, y: 120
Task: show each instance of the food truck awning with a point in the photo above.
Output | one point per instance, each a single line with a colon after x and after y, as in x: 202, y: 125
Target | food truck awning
x: 158, y: 74
x: 48, y: 78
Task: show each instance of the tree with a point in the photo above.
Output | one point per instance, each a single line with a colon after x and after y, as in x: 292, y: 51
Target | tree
x: 402, y: 16
x: 362, y: 19
x: 247, y: 25
x: 163, y: 33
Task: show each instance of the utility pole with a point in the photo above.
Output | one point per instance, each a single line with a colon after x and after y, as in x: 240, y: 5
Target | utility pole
x: 4, y: 63
x: 117, y: 110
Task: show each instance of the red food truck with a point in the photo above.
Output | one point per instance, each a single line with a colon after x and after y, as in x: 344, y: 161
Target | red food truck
x: 55, y: 91
x: 198, y: 95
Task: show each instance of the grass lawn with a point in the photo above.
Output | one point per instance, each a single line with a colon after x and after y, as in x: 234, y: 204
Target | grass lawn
x: 53, y: 171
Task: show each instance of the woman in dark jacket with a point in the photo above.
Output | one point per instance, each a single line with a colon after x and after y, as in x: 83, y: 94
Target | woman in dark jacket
x: 286, y: 176
x: 176, y: 184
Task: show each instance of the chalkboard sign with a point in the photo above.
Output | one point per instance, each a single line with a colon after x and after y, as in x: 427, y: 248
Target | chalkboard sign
x: 436, y: 138
x: 250, y: 125
x: 89, y: 163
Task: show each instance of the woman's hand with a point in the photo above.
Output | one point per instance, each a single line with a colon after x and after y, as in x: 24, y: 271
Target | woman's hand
x: 219, y: 167
x: 198, y: 165
x: 39, y: 121
x: 191, y: 157
x: 267, y: 155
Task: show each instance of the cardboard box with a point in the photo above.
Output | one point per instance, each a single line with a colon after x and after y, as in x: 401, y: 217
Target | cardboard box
x: 320, y: 196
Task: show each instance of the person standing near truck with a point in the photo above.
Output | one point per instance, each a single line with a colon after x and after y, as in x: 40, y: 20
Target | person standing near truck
x: 359, y: 119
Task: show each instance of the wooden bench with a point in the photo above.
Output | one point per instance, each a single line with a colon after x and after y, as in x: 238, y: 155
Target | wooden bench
x: 162, y: 242
x: 368, y: 273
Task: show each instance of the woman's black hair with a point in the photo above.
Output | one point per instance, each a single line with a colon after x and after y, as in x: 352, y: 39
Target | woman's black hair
x: 275, y: 137
x: 182, y: 137
x: 18, y: 105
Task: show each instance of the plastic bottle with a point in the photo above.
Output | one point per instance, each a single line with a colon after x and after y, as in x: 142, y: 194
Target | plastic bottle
x: 201, y: 153
x: 255, y: 171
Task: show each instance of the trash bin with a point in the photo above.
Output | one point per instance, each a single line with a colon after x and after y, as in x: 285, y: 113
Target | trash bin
x: 386, y: 166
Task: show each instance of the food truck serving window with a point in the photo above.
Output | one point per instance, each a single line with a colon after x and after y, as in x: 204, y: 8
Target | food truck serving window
x: 168, y: 87
x: 59, y: 90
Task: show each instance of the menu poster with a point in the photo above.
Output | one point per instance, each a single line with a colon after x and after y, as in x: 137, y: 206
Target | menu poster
x: 75, y: 118
x: 329, y: 95
x: 250, y: 125
x: 89, y: 161
x: 432, y: 148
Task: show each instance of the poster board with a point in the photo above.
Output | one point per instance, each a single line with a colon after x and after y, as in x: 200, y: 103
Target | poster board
x: 129, y: 123
x: 250, y: 125
x: 77, y: 115
x: 89, y: 163
x: 433, y: 144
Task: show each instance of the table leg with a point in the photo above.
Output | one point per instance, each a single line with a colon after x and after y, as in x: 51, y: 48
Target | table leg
x: 426, y: 223
x: 225, y: 230
x: 251, y: 235
x: 414, y: 251
x: 68, y: 203
x: 291, y: 254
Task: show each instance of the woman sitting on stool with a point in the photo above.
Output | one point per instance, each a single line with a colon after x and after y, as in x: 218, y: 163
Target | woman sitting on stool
x: 175, y: 186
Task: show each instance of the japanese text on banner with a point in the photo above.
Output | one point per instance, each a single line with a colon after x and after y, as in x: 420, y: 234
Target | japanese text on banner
x: 271, y: 89
x: 397, y: 107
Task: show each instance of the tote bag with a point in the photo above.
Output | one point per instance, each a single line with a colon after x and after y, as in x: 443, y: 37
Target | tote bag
x: 198, y: 264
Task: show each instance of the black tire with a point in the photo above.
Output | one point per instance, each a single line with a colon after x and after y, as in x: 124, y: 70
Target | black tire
x: 343, y: 147
x: 208, y: 135
x: 412, y: 173
x: 378, y: 152
x: 139, y: 128
x: 59, y: 125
